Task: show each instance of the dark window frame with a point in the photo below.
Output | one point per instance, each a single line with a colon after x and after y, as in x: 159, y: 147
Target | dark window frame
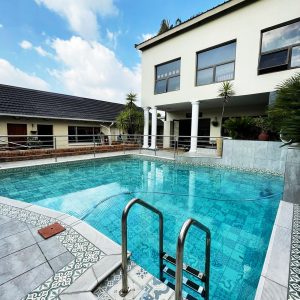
x: 76, y: 138
x: 288, y: 48
x: 167, y: 78
x: 215, y: 65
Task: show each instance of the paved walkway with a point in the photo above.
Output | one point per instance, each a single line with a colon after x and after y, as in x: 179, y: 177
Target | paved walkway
x: 26, y: 259
x: 68, y: 266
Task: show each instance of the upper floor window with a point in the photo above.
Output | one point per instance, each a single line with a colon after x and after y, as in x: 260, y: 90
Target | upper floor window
x: 167, y: 77
x: 280, y: 48
x: 216, y: 65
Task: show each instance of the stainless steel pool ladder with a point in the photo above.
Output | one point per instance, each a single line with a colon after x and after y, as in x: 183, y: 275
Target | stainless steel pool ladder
x: 178, y: 262
x: 125, y: 289
x: 180, y: 266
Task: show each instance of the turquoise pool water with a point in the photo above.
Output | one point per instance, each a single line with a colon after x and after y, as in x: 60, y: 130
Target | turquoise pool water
x: 238, y: 207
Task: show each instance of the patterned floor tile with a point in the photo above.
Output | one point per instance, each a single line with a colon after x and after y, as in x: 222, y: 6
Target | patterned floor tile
x: 86, y: 254
x: 155, y: 290
x: 294, y: 279
x: 140, y: 276
x: 134, y: 291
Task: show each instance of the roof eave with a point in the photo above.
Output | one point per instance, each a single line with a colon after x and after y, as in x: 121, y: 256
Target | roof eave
x: 192, y: 23
x: 52, y: 118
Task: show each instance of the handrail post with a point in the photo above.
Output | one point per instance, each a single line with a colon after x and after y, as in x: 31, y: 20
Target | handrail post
x: 174, y: 146
x: 55, y: 148
x: 94, y: 145
x: 179, y: 257
x: 124, y: 145
x: 125, y: 289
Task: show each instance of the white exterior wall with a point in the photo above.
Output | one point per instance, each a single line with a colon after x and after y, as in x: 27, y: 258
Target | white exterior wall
x: 244, y: 25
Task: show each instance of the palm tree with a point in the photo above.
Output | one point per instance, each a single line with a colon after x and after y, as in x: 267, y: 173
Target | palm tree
x: 285, y: 112
x: 131, y: 119
x: 164, y: 26
x: 226, y: 92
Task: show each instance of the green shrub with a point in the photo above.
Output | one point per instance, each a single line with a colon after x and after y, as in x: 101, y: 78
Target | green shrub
x: 242, y: 128
x: 285, y: 112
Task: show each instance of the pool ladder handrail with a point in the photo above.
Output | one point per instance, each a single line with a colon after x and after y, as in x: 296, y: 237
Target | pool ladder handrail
x: 125, y: 289
x: 179, y: 257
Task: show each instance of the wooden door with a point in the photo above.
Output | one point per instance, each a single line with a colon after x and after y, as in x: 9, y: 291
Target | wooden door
x: 14, y: 131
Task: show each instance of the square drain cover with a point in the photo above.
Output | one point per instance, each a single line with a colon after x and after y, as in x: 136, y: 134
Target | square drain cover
x: 51, y: 230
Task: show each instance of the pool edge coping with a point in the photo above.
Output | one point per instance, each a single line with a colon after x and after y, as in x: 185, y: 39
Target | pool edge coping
x: 270, y: 278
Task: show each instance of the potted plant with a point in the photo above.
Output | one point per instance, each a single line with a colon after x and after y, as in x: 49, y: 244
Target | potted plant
x: 215, y: 122
x: 265, y: 126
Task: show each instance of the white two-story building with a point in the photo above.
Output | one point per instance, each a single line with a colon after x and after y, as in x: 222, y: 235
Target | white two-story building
x: 255, y: 44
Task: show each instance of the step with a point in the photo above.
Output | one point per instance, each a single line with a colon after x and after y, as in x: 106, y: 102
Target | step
x: 186, y: 296
x: 186, y: 268
x: 187, y: 282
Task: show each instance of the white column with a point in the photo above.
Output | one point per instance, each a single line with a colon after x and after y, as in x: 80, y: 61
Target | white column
x: 167, y: 133
x: 146, y: 127
x: 194, y: 129
x: 153, y: 127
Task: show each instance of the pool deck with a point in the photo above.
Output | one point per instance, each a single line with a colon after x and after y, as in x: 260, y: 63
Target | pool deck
x: 81, y: 263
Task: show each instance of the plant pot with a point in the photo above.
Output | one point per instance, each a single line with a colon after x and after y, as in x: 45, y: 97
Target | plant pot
x: 263, y: 136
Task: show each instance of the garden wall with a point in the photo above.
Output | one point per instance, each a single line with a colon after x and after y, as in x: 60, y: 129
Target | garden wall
x: 292, y: 176
x: 261, y: 155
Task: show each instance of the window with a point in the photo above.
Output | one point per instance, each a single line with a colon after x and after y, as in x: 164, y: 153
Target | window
x: 80, y: 134
x: 280, y: 48
x: 167, y: 77
x: 216, y: 65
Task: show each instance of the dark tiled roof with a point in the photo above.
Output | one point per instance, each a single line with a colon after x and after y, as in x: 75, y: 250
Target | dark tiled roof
x: 26, y: 102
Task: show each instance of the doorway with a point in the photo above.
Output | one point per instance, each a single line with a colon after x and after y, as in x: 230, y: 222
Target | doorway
x: 45, y: 133
x: 17, y: 135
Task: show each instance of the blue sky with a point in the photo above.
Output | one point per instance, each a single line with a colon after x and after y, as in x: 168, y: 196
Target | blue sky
x: 82, y: 47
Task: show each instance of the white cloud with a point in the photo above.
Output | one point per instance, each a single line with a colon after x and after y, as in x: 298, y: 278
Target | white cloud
x: 82, y: 14
x: 41, y: 51
x: 147, y: 36
x: 113, y: 38
x: 92, y: 70
x: 11, y: 75
x: 1, y: 26
x: 25, y: 45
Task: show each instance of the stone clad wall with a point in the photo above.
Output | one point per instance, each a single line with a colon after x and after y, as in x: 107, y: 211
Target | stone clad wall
x: 252, y: 155
x: 292, y: 176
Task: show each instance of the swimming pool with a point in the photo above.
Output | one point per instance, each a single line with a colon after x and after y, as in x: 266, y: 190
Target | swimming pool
x: 238, y: 207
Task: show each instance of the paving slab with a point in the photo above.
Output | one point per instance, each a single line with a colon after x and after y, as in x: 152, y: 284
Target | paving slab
x: 60, y: 261
x: 16, y: 242
x: 11, y: 228
x: 52, y: 248
x: 23, y: 284
x: 20, y: 262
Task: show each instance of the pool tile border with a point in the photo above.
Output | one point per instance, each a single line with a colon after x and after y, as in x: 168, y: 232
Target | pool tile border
x: 294, y: 276
x: 85, y: 252
x: 141, y: 156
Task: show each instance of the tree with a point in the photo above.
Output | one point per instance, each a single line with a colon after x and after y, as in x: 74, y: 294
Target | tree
x: 131, y: 119
x: 164, y: 26
x: 226, y: 92
x: 285, y: 112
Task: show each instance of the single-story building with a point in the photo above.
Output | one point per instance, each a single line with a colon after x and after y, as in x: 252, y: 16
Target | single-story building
x: 73, y: 120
